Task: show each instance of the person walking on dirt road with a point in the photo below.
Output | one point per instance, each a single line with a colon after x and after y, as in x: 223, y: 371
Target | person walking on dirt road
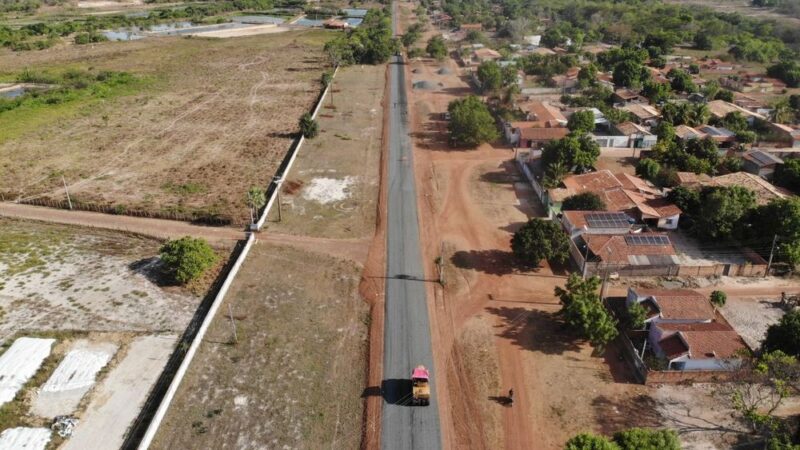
x: 511, y: 396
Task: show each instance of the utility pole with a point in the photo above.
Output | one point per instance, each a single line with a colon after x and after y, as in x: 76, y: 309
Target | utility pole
x: 233, y: 324
x: 441, y: 264
x: 771, y: 253
x: 278, y: 182
x: 69, y: 201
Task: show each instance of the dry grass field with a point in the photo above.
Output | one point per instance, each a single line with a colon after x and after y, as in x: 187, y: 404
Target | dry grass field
x: 295, y: 377
x: 208, y: 119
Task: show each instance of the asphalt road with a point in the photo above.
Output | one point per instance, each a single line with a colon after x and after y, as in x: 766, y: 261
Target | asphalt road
x: 407, y: 336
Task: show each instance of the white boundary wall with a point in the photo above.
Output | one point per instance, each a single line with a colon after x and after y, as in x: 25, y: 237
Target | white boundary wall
x: 161, y: 412
x: 263, y: 219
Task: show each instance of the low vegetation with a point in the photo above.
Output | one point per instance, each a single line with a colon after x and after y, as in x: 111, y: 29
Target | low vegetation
x: 632, y: 439
x: 187, y: 258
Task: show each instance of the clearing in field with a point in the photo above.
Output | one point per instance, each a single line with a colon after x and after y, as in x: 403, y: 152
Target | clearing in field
x: 293, y: 375
x: 196, y: 123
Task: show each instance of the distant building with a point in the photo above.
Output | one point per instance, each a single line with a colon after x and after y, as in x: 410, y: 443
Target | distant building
x: 761, y: 163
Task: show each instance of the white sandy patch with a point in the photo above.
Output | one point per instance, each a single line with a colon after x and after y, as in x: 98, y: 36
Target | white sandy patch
x: 19, y: 363
x: 243, y: 31
x: 328, y: 190
x: 79, y: 290
x: 76, y: 374
x: 24, y: 438
x: 117, y: 400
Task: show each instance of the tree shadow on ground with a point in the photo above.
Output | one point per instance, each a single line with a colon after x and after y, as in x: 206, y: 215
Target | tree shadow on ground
x: 535, y: 330
x: 612, y: 415
x: 154, y: 271
x: 680, y: 417
x: 493, y: 262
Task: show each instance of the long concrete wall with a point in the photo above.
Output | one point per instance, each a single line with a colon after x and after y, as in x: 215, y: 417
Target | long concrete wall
x: 169, y: 395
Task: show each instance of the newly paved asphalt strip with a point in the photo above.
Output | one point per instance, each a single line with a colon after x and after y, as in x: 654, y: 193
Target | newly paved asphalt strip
x: 407, y: 335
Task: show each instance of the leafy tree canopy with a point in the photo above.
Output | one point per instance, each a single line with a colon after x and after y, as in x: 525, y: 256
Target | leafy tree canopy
x: 540, y: 240
x: 187, y: 258
x: 471, y: 123
x: 586, y: 201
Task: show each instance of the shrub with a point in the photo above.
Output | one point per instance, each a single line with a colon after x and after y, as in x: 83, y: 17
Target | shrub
x: 308, y: 126
x: 187, y: 258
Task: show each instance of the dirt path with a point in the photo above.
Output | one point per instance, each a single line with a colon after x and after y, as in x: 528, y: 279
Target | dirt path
x: 159, y: 228
x: 353, y: 249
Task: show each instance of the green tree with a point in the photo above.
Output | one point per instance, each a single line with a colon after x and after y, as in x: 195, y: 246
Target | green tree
x: 665, y: 132
x: 681, y: 81
x: 718, y: 298
x: 583, y: 310
x: 540, y: 240
x: 552, y: 38
x: 630, y: 74
x: 436, y: 48
x: 635, y: 316
x: 471, y: 123
x: 587, y: 441
x: 308, y: 126
x: 587, y: 76
x: 256, y: 199
x: 490, y: 76
x: 647, y: 439
x: 687, y: 199
x: 723, y: 209
x: 788, y: 174
x: 187, y: 258
x: 579, y: 153
x: 779, y: 217
x: 656, y: 92
x: 585, y: 201
x: 702, y: 41
x: 581, y: 122
x: 648, y: 169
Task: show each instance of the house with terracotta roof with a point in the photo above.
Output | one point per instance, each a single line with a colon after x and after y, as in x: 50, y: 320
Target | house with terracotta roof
x: 765, y: 192
x: 685, y: 330
x: 625, y: 96
x: 626, y: 135
x: 721, y: 135
x: 685, y: 132
x: 691, y: 179
x: 761, y: 163
x: 751, y: 104
x: 748, y: 83
x: 721, y: 108
x: 627, y: 251
x: 576, y: 223
x: 645, y: 114
x: 626, y: 193
x: 783, y: 135
x: 538, y: 137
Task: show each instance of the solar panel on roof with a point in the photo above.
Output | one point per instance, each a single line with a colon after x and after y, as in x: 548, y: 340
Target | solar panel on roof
x: 607, y: 220
x: 646, y: 240
x: 763, y: 158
